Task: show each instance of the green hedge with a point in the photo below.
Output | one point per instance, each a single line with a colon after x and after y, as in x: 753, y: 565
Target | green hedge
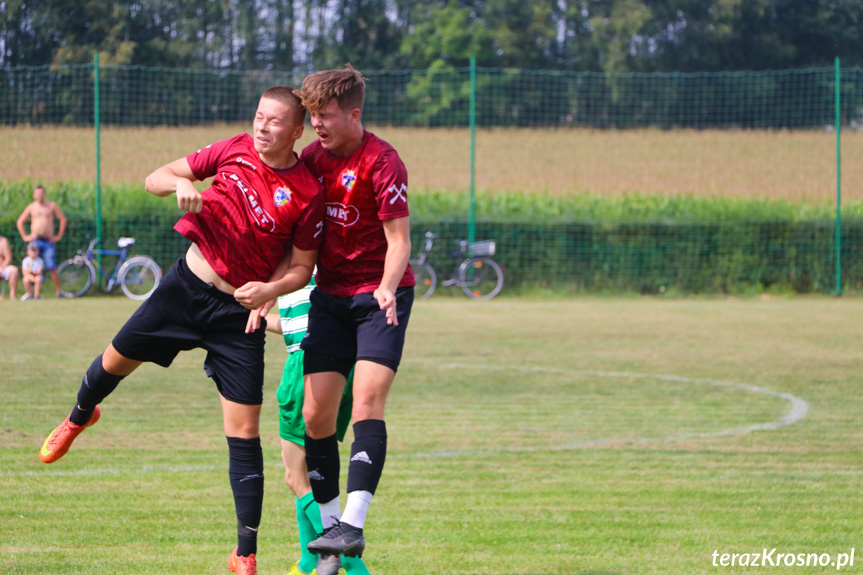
x: 649, y: 244
x: 591, y: 257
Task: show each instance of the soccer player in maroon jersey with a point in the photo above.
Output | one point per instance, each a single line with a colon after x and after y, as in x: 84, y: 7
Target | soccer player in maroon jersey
x: 255, y: 235
x: 360, y: 308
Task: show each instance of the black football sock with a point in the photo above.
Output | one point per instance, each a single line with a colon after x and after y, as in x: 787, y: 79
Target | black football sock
x: 368, y: 453
x: 322, y: 460
x: 95, y: 387
x: 246, y: 471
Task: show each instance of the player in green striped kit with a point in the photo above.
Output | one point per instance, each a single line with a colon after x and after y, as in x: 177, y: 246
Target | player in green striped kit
x: 291, y: 323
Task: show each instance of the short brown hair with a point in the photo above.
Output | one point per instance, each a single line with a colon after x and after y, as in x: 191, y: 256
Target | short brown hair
x: 287, y: 96
x: 346, y: 85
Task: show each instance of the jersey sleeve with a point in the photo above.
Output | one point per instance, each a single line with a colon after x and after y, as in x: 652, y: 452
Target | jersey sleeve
x: 205, y: 162
x: 308, y: 231
x: 307, y: 157
x: 390, y: 179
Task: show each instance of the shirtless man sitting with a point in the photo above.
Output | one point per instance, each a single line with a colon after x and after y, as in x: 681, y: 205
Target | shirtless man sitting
x: 8, y: 272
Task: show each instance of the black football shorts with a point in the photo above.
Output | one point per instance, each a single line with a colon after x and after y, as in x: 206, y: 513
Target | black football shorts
x: 355, y: 327
x: 186, y: 313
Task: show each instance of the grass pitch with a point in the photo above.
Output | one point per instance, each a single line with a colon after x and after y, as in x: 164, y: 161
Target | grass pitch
x: 578, y: 436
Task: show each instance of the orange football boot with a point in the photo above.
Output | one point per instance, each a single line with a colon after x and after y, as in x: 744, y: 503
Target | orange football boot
x: 60, y: 440
x: 242, y: 565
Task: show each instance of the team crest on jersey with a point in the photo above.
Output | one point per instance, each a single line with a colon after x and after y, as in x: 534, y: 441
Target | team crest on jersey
x: 349, y: 178
x: 282, y: 196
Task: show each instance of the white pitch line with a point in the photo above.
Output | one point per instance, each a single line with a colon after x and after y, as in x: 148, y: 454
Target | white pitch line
x: 113, y: 470
x: 797, y: 411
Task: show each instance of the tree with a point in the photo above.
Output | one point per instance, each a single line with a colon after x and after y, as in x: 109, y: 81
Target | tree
x: 447, y: 36
x: 361, y: 32
x: 25, y: 33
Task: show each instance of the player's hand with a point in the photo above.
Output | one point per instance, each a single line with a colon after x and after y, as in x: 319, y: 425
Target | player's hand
x: 387, y: 300
x: 188, y: 198
x: 253, y: 324
x: 253, y: 295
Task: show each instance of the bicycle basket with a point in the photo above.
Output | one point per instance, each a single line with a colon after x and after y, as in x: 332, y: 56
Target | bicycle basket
x: 483, y: 248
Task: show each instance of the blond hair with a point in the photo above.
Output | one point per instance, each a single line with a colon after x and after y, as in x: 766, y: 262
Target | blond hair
x: 346, y: 85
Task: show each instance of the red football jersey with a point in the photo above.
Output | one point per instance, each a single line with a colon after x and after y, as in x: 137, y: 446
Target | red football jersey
x: 251, y: 213
x: 363, y: 190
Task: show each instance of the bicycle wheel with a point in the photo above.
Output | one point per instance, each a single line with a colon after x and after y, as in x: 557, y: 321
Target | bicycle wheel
x: 426, y: 279
x: 480, y: 278
x: 138, y: 277
x: 76, y: 276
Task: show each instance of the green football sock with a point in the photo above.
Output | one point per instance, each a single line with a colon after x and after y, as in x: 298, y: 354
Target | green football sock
x: 308, y: 526
x: 312, y: 521
x: 354, y: 566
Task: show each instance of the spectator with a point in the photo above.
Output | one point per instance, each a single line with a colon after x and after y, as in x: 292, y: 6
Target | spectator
x: 32, y: 268
x: 8, y: 272
x: 41, y: 213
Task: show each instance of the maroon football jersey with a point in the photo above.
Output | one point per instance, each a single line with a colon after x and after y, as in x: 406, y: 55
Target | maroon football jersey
x: 362, y: 190
x: 251, y: 213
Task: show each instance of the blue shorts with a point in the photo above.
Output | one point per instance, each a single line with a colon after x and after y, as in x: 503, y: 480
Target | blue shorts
x: 186, y: 313
x: 355, y: 327
x: 48, y: 253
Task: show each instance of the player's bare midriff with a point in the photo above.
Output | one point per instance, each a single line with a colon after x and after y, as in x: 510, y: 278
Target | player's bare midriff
x: 201, y: 267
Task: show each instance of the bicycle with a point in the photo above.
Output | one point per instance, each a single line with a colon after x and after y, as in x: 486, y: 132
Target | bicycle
x: 475, y: 272
x: 138, y: 276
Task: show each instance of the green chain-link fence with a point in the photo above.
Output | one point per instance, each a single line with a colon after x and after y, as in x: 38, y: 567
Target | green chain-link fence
x: 136, y: 96
x: 753, y: 134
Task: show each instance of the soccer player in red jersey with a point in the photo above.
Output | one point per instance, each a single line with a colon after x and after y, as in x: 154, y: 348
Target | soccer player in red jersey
x: 360, y: 308
x: 255, y: 235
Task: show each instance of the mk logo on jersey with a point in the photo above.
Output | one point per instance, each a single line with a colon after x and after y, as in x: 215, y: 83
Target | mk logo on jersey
x: 342, y: 215
x: 282, y: 196
x: 349, y: 178
x: 400, y: 193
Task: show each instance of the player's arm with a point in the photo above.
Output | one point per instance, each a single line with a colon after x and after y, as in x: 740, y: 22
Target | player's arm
x: 299, y: 273
x: 274, y: 323
x: 293, y: 272
x: 61, y: 218
x: 22, y: 219
x: 176, y: 178
x: 254, y: 321
x: 284, y: 280
x: 397, y: 232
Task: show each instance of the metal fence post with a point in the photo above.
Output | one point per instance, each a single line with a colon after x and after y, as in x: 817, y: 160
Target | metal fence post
x: 471, y: 229
x: 838, y: 180
x: 98, y: 154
